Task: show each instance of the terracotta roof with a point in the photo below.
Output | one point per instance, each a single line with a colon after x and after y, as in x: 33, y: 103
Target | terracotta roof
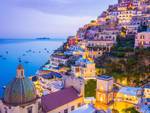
x: 57, y: 99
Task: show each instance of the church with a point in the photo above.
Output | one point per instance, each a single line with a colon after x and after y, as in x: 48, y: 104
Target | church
x: 20, y: 95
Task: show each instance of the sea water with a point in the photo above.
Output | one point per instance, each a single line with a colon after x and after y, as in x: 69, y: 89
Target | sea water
x: 31, y: 52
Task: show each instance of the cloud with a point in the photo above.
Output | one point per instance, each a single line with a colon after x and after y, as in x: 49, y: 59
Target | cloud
x: 59, y: 18
x: 64, y: 7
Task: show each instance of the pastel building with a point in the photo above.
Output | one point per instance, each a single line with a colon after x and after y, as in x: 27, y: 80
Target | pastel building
x: 129, y: 95
x: 142, y: 40
x: 83, y: 67
x: 147, y: 91
x: 72, y: 40
x: 104, y: 90
x: 75, y: 50
x: 20, y: 95
x: 126, y: 16
x: 65, y: 100
x: 103, y: 42
x: 56, y: 60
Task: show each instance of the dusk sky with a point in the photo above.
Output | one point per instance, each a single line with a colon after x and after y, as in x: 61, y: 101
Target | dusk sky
x: 51, y: 18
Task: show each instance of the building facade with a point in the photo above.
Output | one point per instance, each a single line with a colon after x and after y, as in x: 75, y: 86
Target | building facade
x: 103, y: 42
x: 142, y: 40
x: 104, y: 91
x: 56, y: 60
x: 129, y: 95
x: 84, y: 68
x: 67, y: 99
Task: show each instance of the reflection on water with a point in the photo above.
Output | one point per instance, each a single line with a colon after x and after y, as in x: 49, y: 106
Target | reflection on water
x: 32, y: 54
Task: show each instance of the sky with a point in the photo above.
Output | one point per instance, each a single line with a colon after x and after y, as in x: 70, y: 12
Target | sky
x: 47, y: 18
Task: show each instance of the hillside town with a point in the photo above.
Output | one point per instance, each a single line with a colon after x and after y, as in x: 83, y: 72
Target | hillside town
x: 104, y: 68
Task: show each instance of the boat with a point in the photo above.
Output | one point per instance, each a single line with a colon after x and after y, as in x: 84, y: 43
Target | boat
x: 26, y: 62
x: 24, y: 55
x: 4, y: 58
x: 4, y: 87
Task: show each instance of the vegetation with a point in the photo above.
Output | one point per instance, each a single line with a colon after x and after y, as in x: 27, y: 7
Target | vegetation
x: 130, y: 110
x: 125, y: 62
x: 90, y: 88
x: 115, y: 111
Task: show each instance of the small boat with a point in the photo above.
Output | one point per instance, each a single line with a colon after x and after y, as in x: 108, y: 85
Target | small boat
x: 26, y: 62
x: 4, y: 87
x: 24, y: 55
x: 6, y: 52
x: 39, y: 51
x: 0, y: 55
x: 30, y: 50
x: 4, y: 58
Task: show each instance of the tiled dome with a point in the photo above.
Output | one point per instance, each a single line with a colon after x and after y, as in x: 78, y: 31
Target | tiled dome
x: 19, y: 91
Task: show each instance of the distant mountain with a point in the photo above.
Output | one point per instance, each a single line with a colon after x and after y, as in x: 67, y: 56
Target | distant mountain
x: 43, y: 38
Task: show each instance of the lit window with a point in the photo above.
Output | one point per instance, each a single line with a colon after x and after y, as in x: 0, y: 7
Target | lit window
x: 79, y: 104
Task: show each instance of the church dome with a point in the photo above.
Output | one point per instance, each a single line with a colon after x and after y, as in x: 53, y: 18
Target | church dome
x: 20, y: 90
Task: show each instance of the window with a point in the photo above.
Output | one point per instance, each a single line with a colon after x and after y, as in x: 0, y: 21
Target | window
x: 72, y: 108
x: 39, y: 106
x: 5, y: 110
x: 66, y: 111
x: 29, y: 109
x: 79, y: 104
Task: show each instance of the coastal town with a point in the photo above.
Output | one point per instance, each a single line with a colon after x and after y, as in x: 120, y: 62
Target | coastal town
x: 104, y: 68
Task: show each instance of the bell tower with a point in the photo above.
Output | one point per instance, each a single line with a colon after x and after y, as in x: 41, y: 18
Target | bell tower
x: 104, y: 92
x: 20, y: 71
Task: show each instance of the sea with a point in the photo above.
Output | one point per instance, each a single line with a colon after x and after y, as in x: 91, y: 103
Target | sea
x: 31, y: 53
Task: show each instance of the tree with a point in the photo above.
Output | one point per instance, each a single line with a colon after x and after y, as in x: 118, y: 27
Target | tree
x: 90, y: 88
x: 130, y: 110
x: 115, y: 111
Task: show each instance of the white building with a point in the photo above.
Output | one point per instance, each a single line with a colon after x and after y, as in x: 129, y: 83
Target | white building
x: 103, y: 42
x: 56, y: 60
x: 147, y: 91
x: 129, y: 94
x: 83, y: 68
x: 142, y: 40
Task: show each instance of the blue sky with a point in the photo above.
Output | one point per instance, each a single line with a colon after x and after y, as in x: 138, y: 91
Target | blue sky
x: 52, y: 18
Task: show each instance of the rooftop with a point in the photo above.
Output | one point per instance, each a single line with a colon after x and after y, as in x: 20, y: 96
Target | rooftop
x: 55, y: 100
x: 52, y: 75
x: 130, y: 90
x: 104, y: 77
x: 85, y: 109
